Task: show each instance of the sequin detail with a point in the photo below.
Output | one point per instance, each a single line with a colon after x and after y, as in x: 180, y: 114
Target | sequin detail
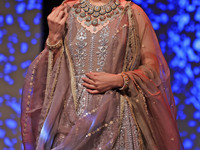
x: 92, y: 49
x: 80, y: 54
x: 100, y: 128
x: 101, y: 54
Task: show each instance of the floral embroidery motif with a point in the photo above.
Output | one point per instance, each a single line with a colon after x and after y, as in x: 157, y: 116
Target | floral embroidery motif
x: 80, y: 54
x: 101, y: 54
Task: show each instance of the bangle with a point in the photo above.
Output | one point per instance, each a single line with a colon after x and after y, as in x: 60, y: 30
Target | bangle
x: 55, y: 46
x: 126, y: 81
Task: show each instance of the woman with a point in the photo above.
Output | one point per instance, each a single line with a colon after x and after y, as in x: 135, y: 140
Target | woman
x: 101, y: 82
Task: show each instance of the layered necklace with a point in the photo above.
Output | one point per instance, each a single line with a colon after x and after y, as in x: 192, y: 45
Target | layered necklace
x: 93, y: 15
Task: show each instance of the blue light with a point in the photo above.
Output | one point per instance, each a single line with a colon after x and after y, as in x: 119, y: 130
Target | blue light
x: 192, y: 56
x: 7, y: 97
x: 161, y: 6
x: 197, y: 15
x: 2, y: 133
x: 20, y: 91
x: 184, y: 20
x: 3, y: 58
x: 197, y: 115
x: 198, y: 129
x: 196, y: 44
x: 192, y: 123
x: 28, y: 34
x: 11, y: 50
x: 191, y: 8
x: 189, y: 72
x: 183, y: 133
x: 15, y: 106
x: 37, y: 18
x: 22, y: 24
x: 20, y: 8
x: 188, y: 144
x: 34, y: 41
x: 155, y: 25
x: 196, y: 70
x: 183, y: 3
x: 37, y: 35
x: 7, y: 5
x: 13, y: 38
x: 151, y: 1
x: 24, y: 47
x: 198, y: 34
x: 8, y: 142
x: 164, y: 18
x: 1, y: 122
x: 8, y: 79
x: 25, y: 64
x: 9, y: 19
x: 10, y: 123
x: 11, y: 58
x: 138, y: 1
x: 1, y: 100
x: 171, y: 6
x: 1, y: 33
x: 1, y: 75
x: 1, y: 20
x: 8, y: 68
x: 193, y: 136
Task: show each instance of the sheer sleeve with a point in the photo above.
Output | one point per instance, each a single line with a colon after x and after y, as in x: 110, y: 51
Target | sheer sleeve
x: 150, y: 95
x: 32, y: 99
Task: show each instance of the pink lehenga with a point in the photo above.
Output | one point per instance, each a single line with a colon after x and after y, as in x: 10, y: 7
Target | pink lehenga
x: 57, y: 111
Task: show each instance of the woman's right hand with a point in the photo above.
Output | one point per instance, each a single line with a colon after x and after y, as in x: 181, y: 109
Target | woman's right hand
x: 56, y: 22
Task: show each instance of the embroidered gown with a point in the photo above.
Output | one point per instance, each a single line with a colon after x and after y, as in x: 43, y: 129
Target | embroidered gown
x: 100, y: 51
x: 63, y: 115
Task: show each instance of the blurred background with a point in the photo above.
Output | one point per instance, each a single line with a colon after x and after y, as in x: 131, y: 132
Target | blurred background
x: 23, y: 30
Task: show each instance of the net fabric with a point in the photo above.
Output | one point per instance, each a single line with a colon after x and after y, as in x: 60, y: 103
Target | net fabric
x: 151, y: 98
x: 32, y: 99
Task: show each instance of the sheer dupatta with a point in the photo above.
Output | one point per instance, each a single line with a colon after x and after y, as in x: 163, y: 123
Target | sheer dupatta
x: 149, y: 95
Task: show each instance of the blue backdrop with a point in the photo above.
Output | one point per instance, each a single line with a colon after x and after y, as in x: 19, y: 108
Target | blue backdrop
x: 177, y: 25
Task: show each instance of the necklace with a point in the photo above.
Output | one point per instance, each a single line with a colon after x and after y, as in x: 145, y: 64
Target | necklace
x: 96, y: 15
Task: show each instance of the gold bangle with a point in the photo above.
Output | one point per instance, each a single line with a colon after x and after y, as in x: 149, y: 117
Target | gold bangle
x: 126, y: 81
x: 55, y: 46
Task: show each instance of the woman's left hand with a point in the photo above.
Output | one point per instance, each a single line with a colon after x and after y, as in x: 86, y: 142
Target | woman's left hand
x: 100, y: 82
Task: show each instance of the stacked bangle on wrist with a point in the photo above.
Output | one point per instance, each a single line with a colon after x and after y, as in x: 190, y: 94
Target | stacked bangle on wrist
x: 126, y: 81
x: 55, y: 46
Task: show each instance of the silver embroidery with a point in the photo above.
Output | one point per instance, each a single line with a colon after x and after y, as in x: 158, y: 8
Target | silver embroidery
x: 80, y: 54
x: 71, y: 19
x: 129, y: 141
x: 82, y: 103
x: 92, y: 47
x: 101, y: 54
x: 134, y: 131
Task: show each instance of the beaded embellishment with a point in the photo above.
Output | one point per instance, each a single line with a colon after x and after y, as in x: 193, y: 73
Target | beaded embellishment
x: 96, y: 15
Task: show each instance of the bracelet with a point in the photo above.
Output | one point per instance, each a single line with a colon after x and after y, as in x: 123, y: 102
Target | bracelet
x: 55, y: 46
x: 126, y: 81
